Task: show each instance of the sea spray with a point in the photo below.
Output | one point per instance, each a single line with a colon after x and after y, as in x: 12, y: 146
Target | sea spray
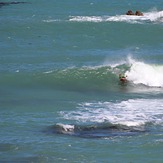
x: 153, y: 16
x: 147, y: 74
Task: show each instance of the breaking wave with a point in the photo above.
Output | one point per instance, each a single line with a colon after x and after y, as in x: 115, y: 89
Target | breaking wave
x: 109, y: 119
x: 94, y: 78
x: 155, y: 16
x: 130, y: 113
x: 146, y: 74
x: 106, y: 76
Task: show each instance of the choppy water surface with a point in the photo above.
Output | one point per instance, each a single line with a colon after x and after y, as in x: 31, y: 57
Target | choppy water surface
x: 60, y: 95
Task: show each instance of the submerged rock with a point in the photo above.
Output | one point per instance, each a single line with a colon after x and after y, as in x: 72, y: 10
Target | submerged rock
x: 8, y: 3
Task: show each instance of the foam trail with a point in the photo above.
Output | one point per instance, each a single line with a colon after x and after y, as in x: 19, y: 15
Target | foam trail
x: 66, y: 128
x: 148, y: 16
x: 87, y: 18
x: 136, y: 112
x: 154, y: 16
x: 142, y: 73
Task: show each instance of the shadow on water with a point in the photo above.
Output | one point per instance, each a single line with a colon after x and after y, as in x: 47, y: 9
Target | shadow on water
x: 10, y: 3
x: 94, y: 131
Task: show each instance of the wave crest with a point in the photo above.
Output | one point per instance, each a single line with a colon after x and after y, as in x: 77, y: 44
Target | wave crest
x: 142, y: 73
x: 155, y: 16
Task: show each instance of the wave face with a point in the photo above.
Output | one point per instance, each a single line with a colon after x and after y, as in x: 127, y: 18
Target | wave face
x: 140, y: 76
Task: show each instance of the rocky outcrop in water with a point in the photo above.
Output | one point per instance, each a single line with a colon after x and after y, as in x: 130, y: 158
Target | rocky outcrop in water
x: 138, y: 13
x: 9, y: 3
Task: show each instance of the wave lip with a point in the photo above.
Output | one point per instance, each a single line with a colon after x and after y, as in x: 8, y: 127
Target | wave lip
x: 142, y: 77
x: 142, y: 73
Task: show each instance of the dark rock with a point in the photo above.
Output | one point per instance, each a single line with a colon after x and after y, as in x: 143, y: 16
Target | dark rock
x: 9, y: 3
x: 130, y: 13
x: 138, y: 13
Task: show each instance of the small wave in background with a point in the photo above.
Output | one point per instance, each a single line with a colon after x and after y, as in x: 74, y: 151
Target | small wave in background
x: 153, y: 16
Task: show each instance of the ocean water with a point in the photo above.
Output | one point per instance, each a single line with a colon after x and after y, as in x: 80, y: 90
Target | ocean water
x: 60, y: 95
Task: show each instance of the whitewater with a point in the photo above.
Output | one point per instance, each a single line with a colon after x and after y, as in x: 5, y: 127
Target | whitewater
x: 149, y: 75
x: 61, y: 99
x: 152, y: 16
x: 133, y: 112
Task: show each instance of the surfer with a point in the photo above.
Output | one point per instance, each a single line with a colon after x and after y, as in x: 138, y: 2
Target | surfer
x: 122, y: 78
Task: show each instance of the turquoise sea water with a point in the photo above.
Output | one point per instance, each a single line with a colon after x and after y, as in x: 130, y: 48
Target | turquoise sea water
x: 60, y: 95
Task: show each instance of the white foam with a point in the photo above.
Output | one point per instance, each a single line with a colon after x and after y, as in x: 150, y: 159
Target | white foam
x: 86, y: 18
x: 66, y: 127
x: 149, y: 16
x: 142, y: 73
x: 154, y: 16
x: 130, y: 113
